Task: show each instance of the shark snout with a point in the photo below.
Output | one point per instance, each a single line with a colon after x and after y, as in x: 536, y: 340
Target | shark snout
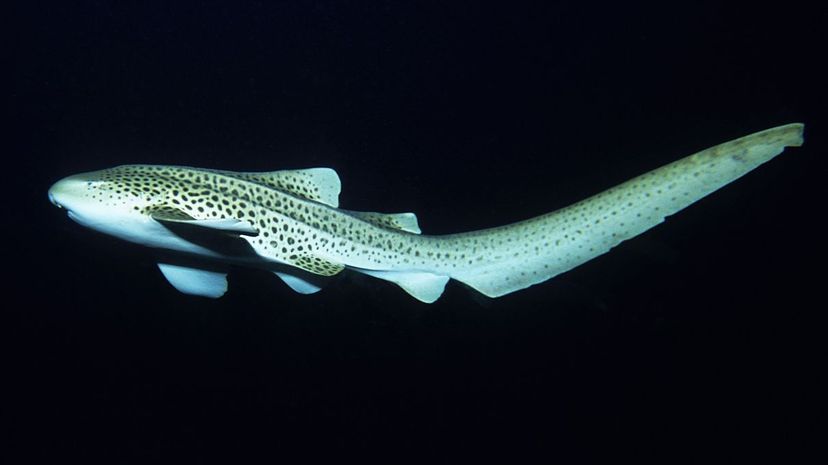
x: 66, y: 192
x: 52, y: 199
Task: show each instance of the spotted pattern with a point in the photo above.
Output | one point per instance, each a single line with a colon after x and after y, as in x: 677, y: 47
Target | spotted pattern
x: 508, y: 258
x: 293, y: 228
x: 163, y: 211
x: 297, y: 223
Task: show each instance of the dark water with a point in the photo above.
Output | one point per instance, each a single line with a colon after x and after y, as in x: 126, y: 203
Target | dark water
x: 696, y: 342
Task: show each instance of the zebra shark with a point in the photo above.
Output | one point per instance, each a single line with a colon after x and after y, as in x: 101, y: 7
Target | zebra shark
x: 202, y: 221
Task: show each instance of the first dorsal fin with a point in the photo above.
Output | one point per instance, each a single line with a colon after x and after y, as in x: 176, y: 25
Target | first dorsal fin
x: 318, y: 184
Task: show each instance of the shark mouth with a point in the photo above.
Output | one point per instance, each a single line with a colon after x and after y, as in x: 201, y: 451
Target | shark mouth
x: 53, y: 201
x: 73, y: 216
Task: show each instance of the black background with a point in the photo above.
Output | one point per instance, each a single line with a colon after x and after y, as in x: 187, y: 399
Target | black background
x: 697, y: 342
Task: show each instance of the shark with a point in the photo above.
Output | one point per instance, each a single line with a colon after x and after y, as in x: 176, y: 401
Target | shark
x: 202, y: 222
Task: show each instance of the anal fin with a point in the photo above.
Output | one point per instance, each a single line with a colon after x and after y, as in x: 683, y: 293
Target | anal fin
x: 423, y: 286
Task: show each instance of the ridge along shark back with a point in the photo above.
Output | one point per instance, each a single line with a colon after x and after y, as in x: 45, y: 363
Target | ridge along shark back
x: 290, y: 223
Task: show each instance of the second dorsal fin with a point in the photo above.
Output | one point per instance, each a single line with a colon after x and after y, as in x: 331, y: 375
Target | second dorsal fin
x: 401, y: 221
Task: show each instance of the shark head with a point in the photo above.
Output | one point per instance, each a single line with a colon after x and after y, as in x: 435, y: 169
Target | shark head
x: 149, y: 205
x: 109, y: 201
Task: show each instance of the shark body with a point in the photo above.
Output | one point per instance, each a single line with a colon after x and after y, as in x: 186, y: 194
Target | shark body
x: 290, y: 223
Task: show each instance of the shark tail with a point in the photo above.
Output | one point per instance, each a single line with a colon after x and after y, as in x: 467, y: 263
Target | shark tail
x: 502, y: 260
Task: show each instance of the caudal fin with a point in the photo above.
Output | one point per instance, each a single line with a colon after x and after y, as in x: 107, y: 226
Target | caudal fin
x: 502, y: 260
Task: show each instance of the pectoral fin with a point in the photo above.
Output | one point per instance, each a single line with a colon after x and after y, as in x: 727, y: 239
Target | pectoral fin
x: 195, y: 281
x: 300, y: 285
x: 174, y: 216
